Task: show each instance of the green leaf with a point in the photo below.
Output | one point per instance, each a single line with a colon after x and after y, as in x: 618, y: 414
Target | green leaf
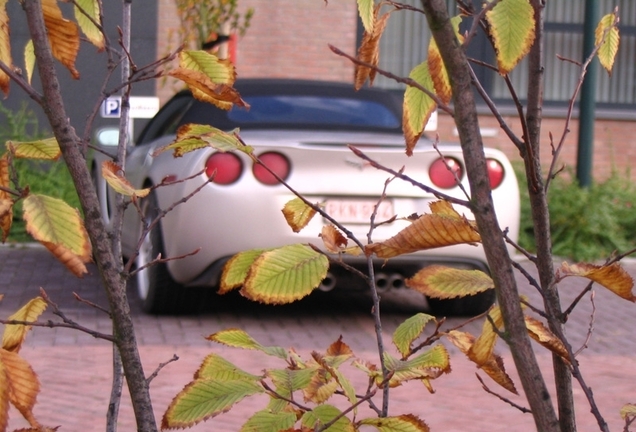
x: 92, y: 32
x: 292, y: 380
x: 324, y: 414
x: 347, y: 387
x: 403, y: 423
x: 428, y: 365
x: 609, y: 48
x: 365, y: 9
x: 240, y: 339
x: 204, y: 398
x: 265, y: 421
x: 445, y: 282
x: 47, y: 149
x: 410, y: 330
x: 285, y: 274
x: 512, y: 28
x: 418, y: 106
x: 217, y: 368
x: 29, y: 60
x: 191, y: 137
x: 236, y: 269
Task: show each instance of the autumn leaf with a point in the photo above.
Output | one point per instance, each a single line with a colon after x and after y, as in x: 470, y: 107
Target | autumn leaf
x: 45, y: 149
x: 438, y: 72
x: 409, y: 331
x: 6, y: 203
x: 285, y: 274
x: 417, y: 106
x: 628, y: 411
x: 191, y: 137
x: 512, y: 29
x: 114, y: 176
x: 274, y: 421
x: 482, y: 349
x: 60, y: 228
x: 612, y: 276
x: 609, y: 47
x: 236, y: 269
x: 426, y: 366
x: 298, y: 214
x: 403, y: 423
x: 14, y: 334
x: 216, y: 367
x: 369, y: 51
x: 63, y: 36
x: 333, y: 239
x: 29, y: 60
x: 545, y: 337
x: 238, y: 338
x: 22, y: 382
x: 443, y: 227
x: 5, y: 57
x: 321, y: 387
x: 365, y: 10
x: 209, y: 78
x: 87, y: 13
x: 442, y: 282
x: 323, y: 414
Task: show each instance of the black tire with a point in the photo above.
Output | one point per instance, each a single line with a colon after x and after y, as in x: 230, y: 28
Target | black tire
x: 157, y: 291
x: 463, y: 306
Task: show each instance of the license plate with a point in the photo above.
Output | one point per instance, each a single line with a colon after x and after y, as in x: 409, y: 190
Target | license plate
x: 358, y: 211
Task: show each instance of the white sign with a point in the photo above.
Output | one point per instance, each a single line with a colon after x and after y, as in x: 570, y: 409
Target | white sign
x: 140, y: 107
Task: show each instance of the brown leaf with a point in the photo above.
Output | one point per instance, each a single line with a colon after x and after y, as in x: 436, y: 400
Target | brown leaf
x: 297, y: 214
x: 444, y: 227
x: 63, y: 36
x: 4, y: 396
x: 321, y: 387
x: 23, y: 384
x: 6, y: 218
x: 482, y: 350
x: 204, y: 89
x: 333, y: 239
x: 545, y: 337
x: 339, y: 348
x: 114, y: 176
x: 438, y: 73
x: 369, y: 51
x: 71, y: 261
x: 612, y: 276
x: 5, y: 54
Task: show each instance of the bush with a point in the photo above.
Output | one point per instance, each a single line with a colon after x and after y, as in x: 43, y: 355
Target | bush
x: 587, y: 224
x: 49, y: 178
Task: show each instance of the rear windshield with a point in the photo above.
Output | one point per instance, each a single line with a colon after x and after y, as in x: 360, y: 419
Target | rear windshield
x: 290, y: 110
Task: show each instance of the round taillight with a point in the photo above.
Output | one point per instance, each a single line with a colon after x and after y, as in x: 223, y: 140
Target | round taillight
x: 495, y: 172
x: 445, y: 172
x: 277, y: 163
x: 227, y: 166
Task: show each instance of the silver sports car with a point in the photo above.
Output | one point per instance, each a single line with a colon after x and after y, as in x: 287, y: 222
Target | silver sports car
x: 301, y: 130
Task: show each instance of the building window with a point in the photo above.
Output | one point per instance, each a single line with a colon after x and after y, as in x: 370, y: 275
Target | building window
x: 405, y: 41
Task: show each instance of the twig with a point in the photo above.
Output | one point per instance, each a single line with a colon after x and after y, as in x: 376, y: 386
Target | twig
x: 506, y: 400
x: 590, y: 329
x: 91, y: 304
x: 161, y: 366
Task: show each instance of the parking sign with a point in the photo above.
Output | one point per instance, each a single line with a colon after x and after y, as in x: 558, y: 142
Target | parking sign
x: 111, y: 107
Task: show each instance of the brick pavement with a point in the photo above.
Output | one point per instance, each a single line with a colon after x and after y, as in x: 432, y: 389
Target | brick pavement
x: 74, y: 368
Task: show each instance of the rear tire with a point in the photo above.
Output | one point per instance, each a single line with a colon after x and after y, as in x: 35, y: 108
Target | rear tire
x: 157, y: 291
x: 463, y: 306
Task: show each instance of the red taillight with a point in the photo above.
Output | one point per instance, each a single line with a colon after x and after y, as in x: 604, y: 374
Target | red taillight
x: 277, y: 163
x: 495, y: 172
x: 444, y: 173
x: 228, y: 168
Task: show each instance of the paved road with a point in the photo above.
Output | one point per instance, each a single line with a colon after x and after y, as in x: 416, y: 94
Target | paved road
x: 74, y: 368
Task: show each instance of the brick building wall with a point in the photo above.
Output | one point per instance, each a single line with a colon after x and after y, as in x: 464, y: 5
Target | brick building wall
x: 289, y: 39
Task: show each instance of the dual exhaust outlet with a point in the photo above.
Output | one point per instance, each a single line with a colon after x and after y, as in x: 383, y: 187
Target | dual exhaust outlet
x: 384, y: 282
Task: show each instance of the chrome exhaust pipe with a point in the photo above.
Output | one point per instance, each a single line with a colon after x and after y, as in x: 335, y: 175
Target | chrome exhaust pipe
x: 328, y: 283
x: 396, y: 281
x: 382, y: 284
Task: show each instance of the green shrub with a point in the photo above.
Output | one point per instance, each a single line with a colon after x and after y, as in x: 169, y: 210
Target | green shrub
x: 48, y: 178
x: 587, y: 224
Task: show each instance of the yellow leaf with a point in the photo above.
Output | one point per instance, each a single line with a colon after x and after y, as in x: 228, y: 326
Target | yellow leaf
x: 6, y: 204
x: 612, y: 276
x: 236, y: 269
x: 481, y: 351
x: 15, y: 334
x: 57, y: 225
x: 628, y: 411
x: 297, y: 214
x: 5, y: 49
x: 114, y: 176
x: 46, y: 149
x: 445, y: 282
x: 23, y: 384
x: 29, y: 60
x: 63, y: 36
x: 609, y: 47
x: 369, y: 51
x: 443, y: 227
x: 333, y: 239
x: 91, y: 8
x: 209, y: 78
x: 71, y: 261
x: 403, y: 423
x: 512, y: 29
x: 436, y: 67
x: 545, y: 337
x: 321, y: 387
x: 365, y: 9
x: 493, y: 367
x: 191, y: 137
x: 417, y: 106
